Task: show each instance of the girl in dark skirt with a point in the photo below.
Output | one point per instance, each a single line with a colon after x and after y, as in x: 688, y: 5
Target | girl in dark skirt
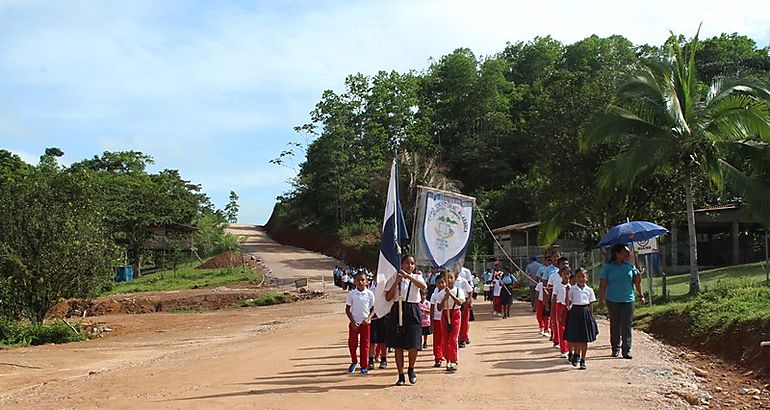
x: 405, y: 323
x: 506, y: 293
x: 581, y: 326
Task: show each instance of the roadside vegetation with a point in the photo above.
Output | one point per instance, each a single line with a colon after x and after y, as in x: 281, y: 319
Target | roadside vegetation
x: 187, y: 276
x: 729, y: 317
x: 267, y: 299
x: 15, y: 333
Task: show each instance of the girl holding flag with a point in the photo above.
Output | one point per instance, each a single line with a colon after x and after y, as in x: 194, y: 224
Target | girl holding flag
x: 405, y: 323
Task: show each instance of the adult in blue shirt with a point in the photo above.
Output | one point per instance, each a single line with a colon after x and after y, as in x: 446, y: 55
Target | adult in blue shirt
x: 532, y: 273
x: 616, y: 288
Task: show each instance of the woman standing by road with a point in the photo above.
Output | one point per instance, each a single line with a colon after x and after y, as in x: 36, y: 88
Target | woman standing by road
x: 405, y: 333
x: 616, y: 288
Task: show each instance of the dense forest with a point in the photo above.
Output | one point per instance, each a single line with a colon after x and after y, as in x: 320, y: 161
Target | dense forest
x: 509, y: 129
x: 64, y: 228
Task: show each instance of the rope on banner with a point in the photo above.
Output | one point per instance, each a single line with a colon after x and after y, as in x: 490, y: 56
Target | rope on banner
x: 481, y: 213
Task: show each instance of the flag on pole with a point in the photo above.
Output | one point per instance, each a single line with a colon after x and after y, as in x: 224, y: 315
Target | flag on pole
x: 394, y: 233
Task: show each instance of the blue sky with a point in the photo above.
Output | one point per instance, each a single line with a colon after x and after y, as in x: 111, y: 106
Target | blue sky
x: 213, y: 88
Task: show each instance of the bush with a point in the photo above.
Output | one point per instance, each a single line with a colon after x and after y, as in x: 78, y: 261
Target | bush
x: 18, y: 333
x: 267, y: 299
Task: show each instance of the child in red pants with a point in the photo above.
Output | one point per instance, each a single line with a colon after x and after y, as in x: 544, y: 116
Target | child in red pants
x: 543, y: 320
x: 559, y: 299
x: 359, y: 309
x: 451, y: 300
x: 436, y: 315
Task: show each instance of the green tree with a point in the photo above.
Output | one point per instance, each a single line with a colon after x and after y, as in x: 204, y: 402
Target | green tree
x: 53, y: 243
x: 664, y: 118
x: 231, y: 209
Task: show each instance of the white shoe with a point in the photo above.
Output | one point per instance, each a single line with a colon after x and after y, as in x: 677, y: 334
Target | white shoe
x: 541, y: 332
x: 564, y: 355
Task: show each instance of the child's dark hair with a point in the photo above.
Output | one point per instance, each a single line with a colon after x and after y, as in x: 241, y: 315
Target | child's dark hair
x: 360, y: 273
x: 563, y: 269
x: 580, y: 270
x: 562, y: 259
x: 406, y: 256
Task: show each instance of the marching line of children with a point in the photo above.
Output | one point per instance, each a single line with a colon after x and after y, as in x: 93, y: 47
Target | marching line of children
x: 441, y: 317
x: 564, y: 309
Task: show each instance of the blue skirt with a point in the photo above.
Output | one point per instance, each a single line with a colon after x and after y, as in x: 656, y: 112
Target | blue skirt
x: 408, y: 336
x: 580, y: 325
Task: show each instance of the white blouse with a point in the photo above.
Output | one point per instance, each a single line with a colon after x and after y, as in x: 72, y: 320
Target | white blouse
x: 451, y: 304
x: 409, y: 291
x: 581, y: 296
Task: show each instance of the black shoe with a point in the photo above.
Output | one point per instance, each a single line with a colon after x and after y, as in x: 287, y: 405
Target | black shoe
x: 582, y: 365
x: 401, y: 380
x: 575, y: 359
x: 412, y: 376
x: 627, y: 356
x: 569, y: 357
x: 371, y: 364
x: 437, y: 363
x: 468, y: 341
x: 615, y: 353
x: 383, y: 364
x: 461, y: 345
x: 424, y: 345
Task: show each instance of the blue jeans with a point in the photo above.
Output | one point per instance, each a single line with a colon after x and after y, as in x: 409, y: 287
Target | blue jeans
x: 621, y: 319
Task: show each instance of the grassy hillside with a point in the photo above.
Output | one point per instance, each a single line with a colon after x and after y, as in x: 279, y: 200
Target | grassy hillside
x: 187, y: 276
x: 729, y: 318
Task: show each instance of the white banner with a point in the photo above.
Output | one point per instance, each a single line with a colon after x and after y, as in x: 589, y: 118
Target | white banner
x: 645, y: 247
x: 446, y: 230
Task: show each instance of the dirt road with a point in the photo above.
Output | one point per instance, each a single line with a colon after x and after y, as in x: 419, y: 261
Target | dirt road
x: 294, y: 356
x: 286, y: 263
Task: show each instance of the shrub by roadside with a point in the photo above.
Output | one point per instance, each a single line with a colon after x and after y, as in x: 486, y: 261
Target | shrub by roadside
x: 22, y: 333
x: 267, y: 299
x: 726, y: 320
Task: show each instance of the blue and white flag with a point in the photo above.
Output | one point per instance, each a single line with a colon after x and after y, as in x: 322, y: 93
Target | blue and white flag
x: 393, y: 235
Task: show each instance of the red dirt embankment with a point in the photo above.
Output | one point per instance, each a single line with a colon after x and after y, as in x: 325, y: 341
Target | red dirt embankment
x: 326, y: 244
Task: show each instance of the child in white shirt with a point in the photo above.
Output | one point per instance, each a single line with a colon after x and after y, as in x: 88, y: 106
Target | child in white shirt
x: 359, y: 307
x: 543, y: 319
x: 436, y: 314
x: 451, y: 300
x: 582, y: 326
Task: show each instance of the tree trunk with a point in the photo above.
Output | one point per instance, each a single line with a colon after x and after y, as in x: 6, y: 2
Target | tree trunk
x: 694, y: 277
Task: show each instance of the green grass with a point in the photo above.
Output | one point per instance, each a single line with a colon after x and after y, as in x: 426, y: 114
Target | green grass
x: 730, y: 316
x: 267, y: 299
x: 22, y: 333
x: 731, y: 276
x: 186, y: 277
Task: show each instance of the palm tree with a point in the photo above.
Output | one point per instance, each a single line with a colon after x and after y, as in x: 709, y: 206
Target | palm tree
x: 665, y: 118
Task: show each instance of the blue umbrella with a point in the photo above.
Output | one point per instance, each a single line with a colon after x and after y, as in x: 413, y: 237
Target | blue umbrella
x: 633, y: 231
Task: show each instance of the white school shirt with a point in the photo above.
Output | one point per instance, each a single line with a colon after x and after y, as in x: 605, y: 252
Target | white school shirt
x: 451, y: 304
x: 554, y: 279
x: 466, y: 274
x: 584, y: 296
x: 435, y: 301
x: 361, y: 304
x: 463, y: 284
x: 539, y: 289
x: 413, y: 293
x: 560, y: 290
x: 497, y: 288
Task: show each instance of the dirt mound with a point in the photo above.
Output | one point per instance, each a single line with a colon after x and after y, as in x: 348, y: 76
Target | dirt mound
x: 229, y: 259
x: 150, y: 302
